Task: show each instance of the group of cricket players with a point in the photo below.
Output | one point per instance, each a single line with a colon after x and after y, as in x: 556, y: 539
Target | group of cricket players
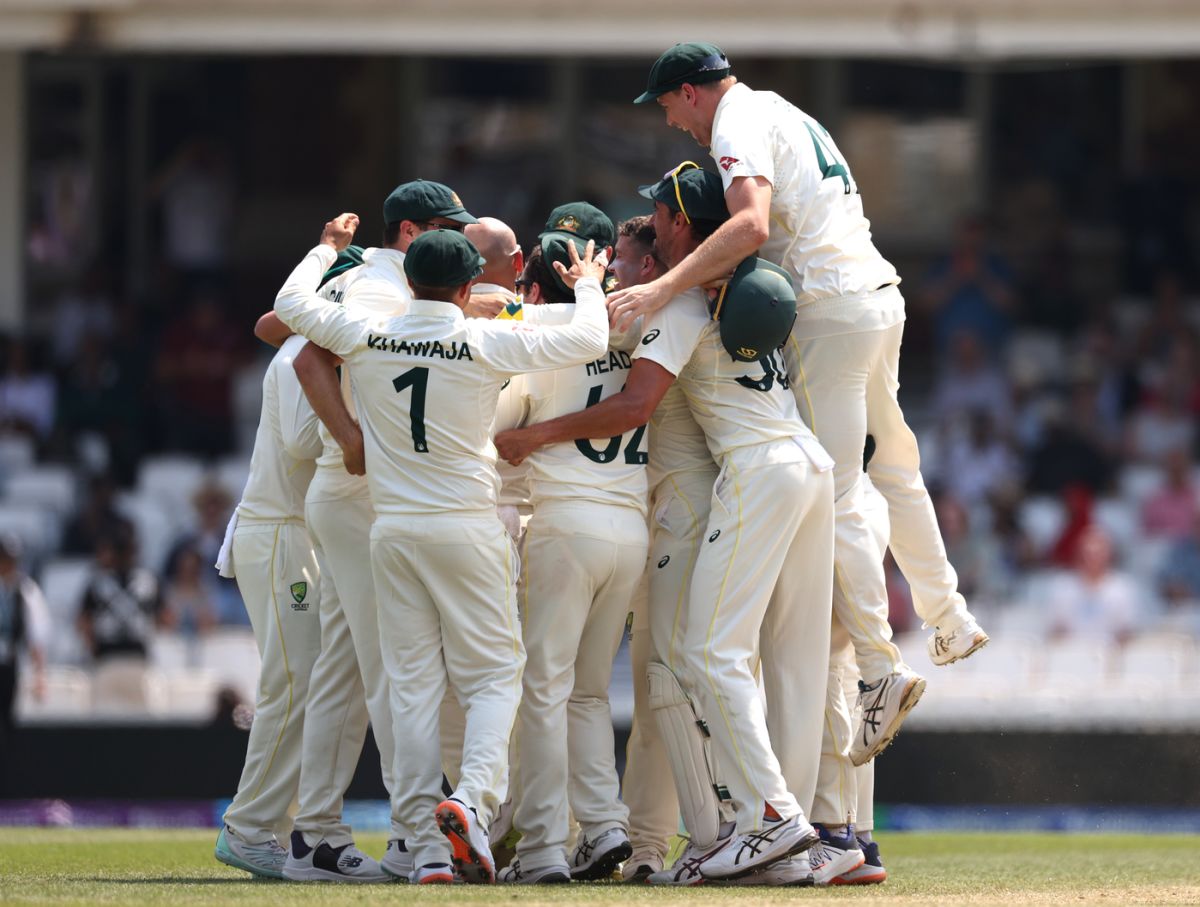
x: 474, y: 464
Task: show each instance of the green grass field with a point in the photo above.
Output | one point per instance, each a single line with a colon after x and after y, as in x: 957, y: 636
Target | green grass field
x: 45, y: 866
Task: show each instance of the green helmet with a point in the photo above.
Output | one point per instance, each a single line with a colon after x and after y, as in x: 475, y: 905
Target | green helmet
x: 756, y: 309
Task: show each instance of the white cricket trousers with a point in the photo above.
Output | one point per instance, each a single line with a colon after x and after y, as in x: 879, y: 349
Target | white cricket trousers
x: 271, y: 560
x: 846, y: 387
x: 679, y: 514
x: 763, y: 583
x: 448, y: 621
x: 581, y: 564
x: 348, y: 681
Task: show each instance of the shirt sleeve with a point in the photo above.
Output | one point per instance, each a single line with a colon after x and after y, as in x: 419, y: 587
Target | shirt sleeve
x: 742, y: 146
x: 298, y: 424
x: 300, y: 307
x: 513, y: 347
x: 37, y: 615
x: 672, y: 334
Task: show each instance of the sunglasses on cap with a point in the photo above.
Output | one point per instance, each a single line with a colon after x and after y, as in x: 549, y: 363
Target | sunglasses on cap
x: 673, y: 176
x: 711, y: 63
x: 435, y: 225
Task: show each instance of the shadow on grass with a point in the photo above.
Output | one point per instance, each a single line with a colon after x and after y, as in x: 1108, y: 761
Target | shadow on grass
x: 183, y: 880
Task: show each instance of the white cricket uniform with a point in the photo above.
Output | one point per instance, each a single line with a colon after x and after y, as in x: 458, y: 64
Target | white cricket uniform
x: 348, y: 681
x: 843, y: 358
x: 445, y: 570
x: 762, y: 581
x: 272, y: 558
x: 584, y: 552
x: 845, y: 791
x: 681, y: 473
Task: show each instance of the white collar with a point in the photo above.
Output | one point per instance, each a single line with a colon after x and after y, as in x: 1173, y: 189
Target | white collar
x: 738, y: 89
x: 436, y: 308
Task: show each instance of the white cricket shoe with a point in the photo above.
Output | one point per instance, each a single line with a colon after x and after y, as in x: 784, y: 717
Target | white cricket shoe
x: 834, y: 856
x: 330, y: 864
x: 513, y: 874
x: 955, y: 644
x: 884, y: 705
x: 596, y: 860
x: 265, y: 859
x: 640, y: 866
x: 433, y: 874
x: 759, y: 849
x: 397, y: 861
x: 794, y: 871
x: 686, y: 870
x: 468, y: 841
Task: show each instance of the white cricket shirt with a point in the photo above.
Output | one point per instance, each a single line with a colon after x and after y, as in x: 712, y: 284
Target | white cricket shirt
x: 745, y: 409
x: 285, y: 446
x: 427, y: 384
x: 818, y: 230
x: 378, y: 289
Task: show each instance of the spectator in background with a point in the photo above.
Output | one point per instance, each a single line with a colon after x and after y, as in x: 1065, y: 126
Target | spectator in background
x: 1095, y: 600
x: 972, y: 552
x: 969, y: 384
x: 979, y: 464
x: 1163, y: 423
x: 188, y: 604
x: 95, y: 520
x: 1079, y: 501
x: 99, y: 402
x: 213, y: 507
x: 198, y: 357
x: 1179, y: 578
x: 120, y: 611
x: 84, y: 310
x: 1171, y: 511
x: 1069, y: 452
x: 1015, y: 553
x: 971, y: 290
x: 24, y: 625
x: 1168, y: 320
x: 196, y: 192
x: 27, y: 394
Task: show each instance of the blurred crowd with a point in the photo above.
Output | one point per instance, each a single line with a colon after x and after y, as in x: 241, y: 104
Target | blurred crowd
x: 1058, y: 432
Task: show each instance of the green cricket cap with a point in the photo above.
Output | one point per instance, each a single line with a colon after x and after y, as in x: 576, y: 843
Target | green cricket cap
x: 756, y: 309
x: 423, y: 200
x: 693, y: 63
x: 442, y: 258
x: 695, y: 192
x: 554, y: 248
x: 583, y: 221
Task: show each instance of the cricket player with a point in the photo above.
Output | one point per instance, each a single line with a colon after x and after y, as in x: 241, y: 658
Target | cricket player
x: 270, y: 553
x: 790, y: 192
x: 762, y: 581
x: 647, y: 786
x: 349, y: 683
x: 584, y: 552
x: 426, y: 384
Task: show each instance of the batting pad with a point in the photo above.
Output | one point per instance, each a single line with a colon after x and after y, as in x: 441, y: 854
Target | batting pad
x: 685, y: 736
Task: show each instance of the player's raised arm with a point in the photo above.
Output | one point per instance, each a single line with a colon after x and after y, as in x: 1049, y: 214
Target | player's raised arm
x: 514, y: 348
x: 301, y: 309
x: 633, y: 406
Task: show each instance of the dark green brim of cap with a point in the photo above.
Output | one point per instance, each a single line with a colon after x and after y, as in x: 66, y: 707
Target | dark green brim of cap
x: 648, y: 191
x: 647, y: 96
x: 461, y: 216
x: 696, y: 78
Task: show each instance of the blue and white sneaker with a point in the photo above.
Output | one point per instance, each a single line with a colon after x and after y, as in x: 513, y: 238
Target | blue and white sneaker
x: 330, y: 864
x: 746, y: 853
x: 871, y: 872
x: 884, y: 704
x: 265, y: 860
x: 596, y: 860
x: 833, y: 856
